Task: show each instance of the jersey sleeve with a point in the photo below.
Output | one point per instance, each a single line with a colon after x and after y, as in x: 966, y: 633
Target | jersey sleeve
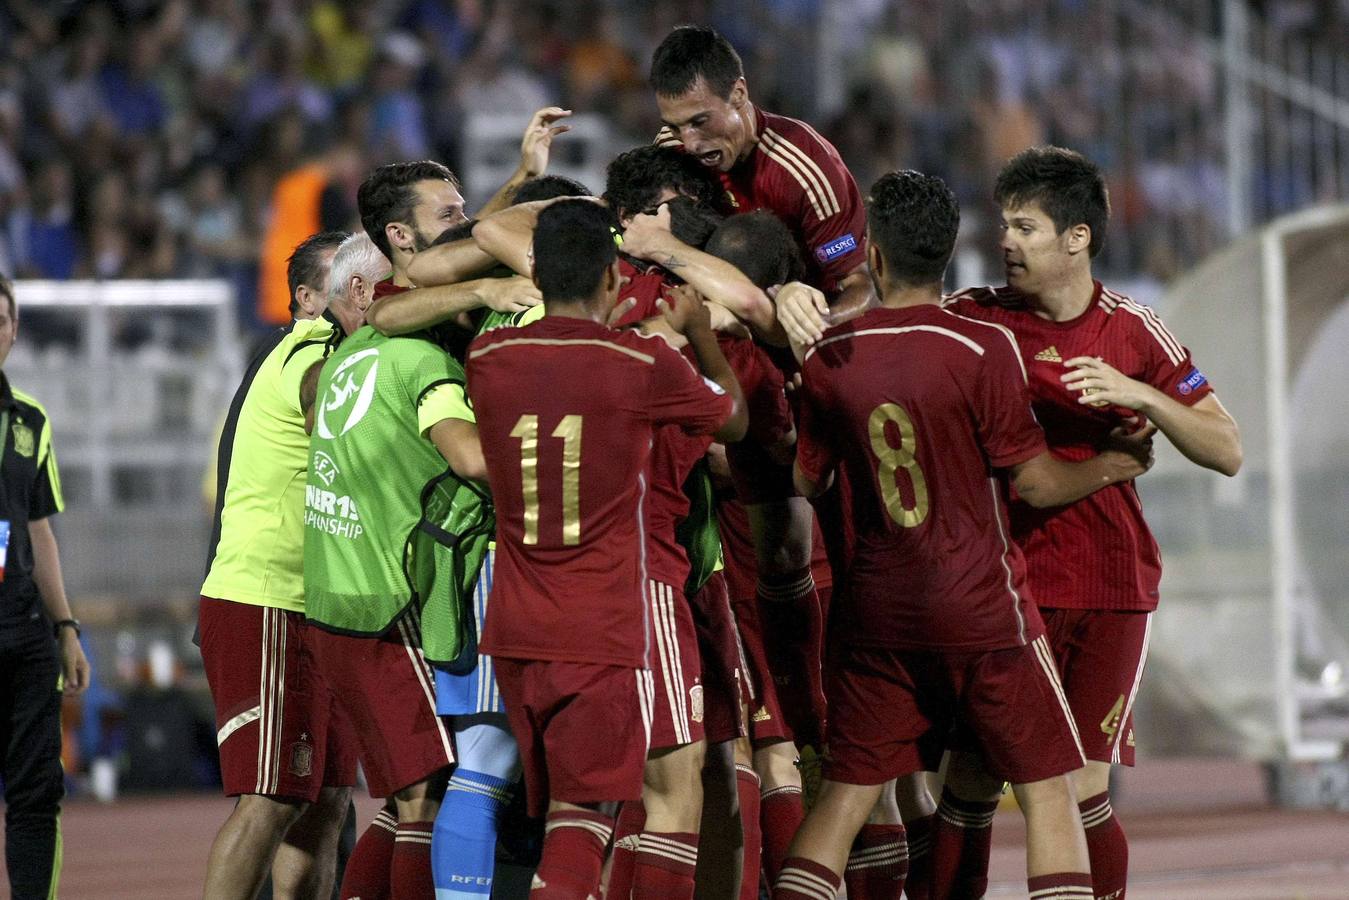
x: 1167, y: 364
x: 832, y: 218
x: 680, y: 396
x: 1007, y: 427
x: 434, y: 381
x: 447, y: 400
x: 46, y: 498
x: 815, y: 453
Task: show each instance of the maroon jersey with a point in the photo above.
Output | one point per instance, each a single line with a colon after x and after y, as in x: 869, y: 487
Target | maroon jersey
x: 918, y: 408
x: 1096, y: 553
x: 565, y: 410
x: 798, y: 176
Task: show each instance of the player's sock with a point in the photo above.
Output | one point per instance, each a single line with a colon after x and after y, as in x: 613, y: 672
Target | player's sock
x: 1060, y: 886
x: 919, y: 835
x: 804, y: 879
x: 1107, y: 847
x: 665, y: 864
x: 747, y: 786
x: 961, y: 841
x: 780, y: 813
x: 463, y: 845
x: 573, y: 855
x: 368, y: 867
x: 877, y: 864
x: 410, y: 873
x: 793, y: 630
x: 627, y: 839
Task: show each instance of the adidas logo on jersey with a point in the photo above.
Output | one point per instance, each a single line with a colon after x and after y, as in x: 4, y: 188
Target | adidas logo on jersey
x: 1049, y: 354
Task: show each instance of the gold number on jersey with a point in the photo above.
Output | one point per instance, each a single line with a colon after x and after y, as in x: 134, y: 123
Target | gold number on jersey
x: 892, y: 459
x: 569, y: 429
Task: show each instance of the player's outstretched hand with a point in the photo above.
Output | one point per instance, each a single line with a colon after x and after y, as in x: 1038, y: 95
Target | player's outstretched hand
x: 510, y: 295
x: 803, y: 313
x: 1102, y: 384
x: 686, y: 312
x: 646, y: 232
x: 537, y: 143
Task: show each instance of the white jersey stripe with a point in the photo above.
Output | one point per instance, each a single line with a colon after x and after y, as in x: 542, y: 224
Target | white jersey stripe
x: 907, y: 329
x: 1154, y: 326
x: 995, y: 489
x: 809, y: 166
x: 424, y: 679
x: 1120, y: 736
x: 1046, y: 657
x: 789, y: 166
x: 1005, y: 332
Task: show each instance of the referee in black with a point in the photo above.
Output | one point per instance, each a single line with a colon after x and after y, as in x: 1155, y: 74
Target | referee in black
x: 40, y: 652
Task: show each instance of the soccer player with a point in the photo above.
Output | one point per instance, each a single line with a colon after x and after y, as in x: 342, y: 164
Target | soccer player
x: 1098, y: 361
x: 927, y: 415
x: 40, y: 648
x: 283, y: 752
x: 566, y: 408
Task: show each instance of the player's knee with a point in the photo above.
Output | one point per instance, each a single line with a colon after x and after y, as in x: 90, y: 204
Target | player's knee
x: 273, y: 813
x: 1091, y: 779
x: 968, y: 779
x: 1048, y: 794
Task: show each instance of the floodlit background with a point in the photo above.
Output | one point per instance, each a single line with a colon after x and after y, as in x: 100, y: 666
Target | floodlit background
x: 158, y: 161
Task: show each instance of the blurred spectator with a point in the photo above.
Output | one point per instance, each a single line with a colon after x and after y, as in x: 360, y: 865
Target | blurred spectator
x: 45, y: 243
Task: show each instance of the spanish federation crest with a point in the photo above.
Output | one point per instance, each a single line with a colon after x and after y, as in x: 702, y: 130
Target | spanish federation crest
x: 23, y: 439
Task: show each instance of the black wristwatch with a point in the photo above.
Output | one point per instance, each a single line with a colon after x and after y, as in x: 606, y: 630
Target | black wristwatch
x: 66, y: 623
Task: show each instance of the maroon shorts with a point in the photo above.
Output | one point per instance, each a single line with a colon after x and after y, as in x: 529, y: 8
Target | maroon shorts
x: 583, y: 729
x: 385, y: 687
x: 1100, y: 655
x: 679, y: 710
x: 767, y: 724
x: 891, y: 711
x: 277, y: 725
x: 725, y: 691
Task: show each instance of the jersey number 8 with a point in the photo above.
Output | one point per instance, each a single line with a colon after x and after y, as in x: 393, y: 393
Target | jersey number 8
x: 892, y: 459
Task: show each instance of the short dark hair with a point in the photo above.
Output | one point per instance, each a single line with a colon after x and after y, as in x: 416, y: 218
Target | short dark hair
x: 306, y: 265
x: 1064, y: 183
x: 693, y: 222
x: 546, y: 187
x: 573, y: 245
x: 636, y: 178
x: 690, y: 52
x: 461, y: 232
x: 7, y: 291
x: 913, y: 218
x: 758, y: 244
x: 387, y: 196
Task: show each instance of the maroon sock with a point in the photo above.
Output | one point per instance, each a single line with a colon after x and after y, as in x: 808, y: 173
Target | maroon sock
x: 368, y: 867
x: 781, y: 813
x: 805, y: 879
x: 573, y: 855
x: 877, y: 864
x: 1107, y: 847
x: 627, y: 838
x: 747, y: 786
x: 410, y: 871
x: 665, y: 864
x: 793, y: 637
x: 961, y: 841
x: 1060, y: 886
x: 919, y: 835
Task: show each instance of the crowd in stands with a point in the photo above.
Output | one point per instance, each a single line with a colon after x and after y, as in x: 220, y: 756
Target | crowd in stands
x: 152, y: 138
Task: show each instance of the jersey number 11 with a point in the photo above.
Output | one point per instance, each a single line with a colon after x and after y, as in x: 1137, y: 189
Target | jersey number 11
x: 569, y: 430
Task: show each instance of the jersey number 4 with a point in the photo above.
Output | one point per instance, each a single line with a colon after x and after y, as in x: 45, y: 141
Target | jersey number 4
x: 569, y: 430
x: 892, y: 459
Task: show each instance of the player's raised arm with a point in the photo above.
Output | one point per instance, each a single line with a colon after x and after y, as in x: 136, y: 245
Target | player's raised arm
x: 688, y: 316
x: 420, y: 308
x: 535, y: 147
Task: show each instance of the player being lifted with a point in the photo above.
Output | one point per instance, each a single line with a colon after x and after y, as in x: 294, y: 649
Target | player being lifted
x: 927, y: 417
x: 566, y: 408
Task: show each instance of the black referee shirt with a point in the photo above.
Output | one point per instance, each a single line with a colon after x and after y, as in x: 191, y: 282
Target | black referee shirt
x: 30, y: 488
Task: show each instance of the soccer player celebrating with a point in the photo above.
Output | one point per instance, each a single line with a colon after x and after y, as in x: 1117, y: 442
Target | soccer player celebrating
x: 1097, y: 362
x: 283, y: 752
x: 566, y: 409
x: 927, y: 415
